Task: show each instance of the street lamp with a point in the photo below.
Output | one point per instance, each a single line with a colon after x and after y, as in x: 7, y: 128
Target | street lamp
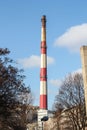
x: 45, y: 118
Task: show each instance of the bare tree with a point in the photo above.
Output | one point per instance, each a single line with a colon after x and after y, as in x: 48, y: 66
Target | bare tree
x: 71, y: 97
x: 12, y: 88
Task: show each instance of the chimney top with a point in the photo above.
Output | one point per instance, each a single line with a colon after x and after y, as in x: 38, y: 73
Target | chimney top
x: 43, y: 20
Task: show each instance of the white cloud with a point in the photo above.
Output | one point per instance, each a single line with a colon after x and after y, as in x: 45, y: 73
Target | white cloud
x: 50, y: 60
x: 34, y: 61
x: 73, y: 38
x: 58, y: 82
x: 55, y: 82
x: 79, y: 71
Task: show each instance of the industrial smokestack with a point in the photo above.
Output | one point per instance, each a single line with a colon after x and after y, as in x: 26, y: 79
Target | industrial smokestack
x: 43, y: 112
x: 43, y: 69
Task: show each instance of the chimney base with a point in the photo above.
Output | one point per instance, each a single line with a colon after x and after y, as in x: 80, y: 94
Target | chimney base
x: 41, y: 113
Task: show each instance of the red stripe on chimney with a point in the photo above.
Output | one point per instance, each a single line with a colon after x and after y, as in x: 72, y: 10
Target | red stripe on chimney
x: 43, y: 101
x: 43, y: 47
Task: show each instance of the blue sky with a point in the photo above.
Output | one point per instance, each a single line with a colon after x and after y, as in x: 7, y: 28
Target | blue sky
x: 20, y: 32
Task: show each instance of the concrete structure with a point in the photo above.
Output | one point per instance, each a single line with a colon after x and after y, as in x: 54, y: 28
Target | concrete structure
x: 43, y: 76
x: 83, y: 51
x: 43, y: 70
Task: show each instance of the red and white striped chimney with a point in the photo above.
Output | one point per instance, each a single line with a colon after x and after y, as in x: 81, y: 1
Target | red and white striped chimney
x: 43, y: 70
